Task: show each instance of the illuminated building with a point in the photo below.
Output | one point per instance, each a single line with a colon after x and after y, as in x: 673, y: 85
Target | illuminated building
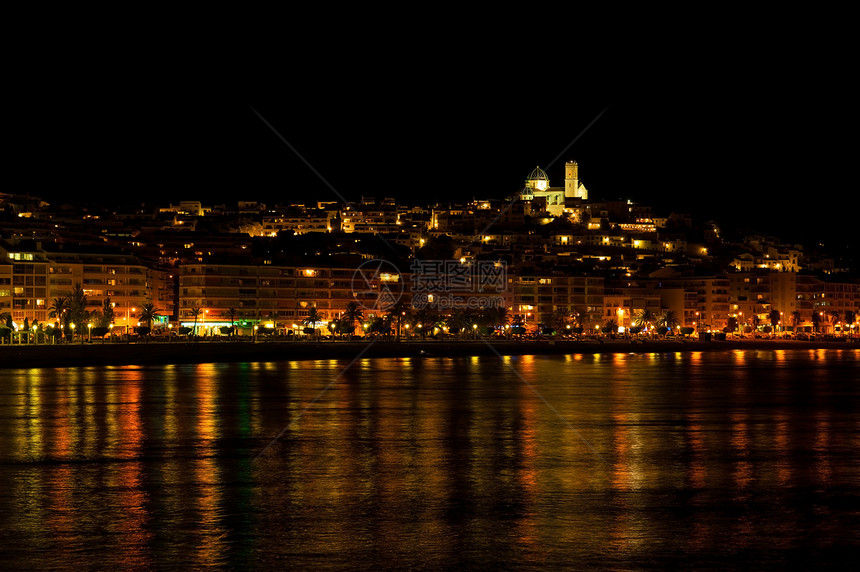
x: 31, y: 276
x: 263, y: 294
x: 23, y: 280
x: 123, y: 278
x: 538, y: 190
x: 824, y: 298
x: 759, y: 293
x: 300, y: 222
x: 623, y: 303
x: 705, y: 299
x: 538, y: 297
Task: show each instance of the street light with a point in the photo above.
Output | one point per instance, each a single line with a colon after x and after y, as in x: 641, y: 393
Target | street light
x: 90, y: 332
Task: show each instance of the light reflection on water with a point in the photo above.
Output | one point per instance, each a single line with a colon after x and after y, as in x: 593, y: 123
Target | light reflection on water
x: 660, y: 460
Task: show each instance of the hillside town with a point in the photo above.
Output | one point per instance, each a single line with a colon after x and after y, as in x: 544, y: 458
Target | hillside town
x: 545, y: 260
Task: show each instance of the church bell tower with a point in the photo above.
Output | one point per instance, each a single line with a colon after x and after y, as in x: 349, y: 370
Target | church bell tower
x: 572, y: 186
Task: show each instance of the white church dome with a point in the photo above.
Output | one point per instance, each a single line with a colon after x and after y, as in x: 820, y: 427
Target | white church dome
x: 538, y: 175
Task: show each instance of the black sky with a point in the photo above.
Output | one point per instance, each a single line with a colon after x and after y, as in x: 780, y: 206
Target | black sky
x: 748, y: 141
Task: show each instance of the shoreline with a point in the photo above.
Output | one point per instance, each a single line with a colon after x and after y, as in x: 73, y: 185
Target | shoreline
x: 152, y: 353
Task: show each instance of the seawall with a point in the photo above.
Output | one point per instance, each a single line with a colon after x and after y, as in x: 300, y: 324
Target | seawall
x: 65, y: 355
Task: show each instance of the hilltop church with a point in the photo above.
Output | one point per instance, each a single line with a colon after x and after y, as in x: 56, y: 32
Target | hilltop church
x: 537, y: 189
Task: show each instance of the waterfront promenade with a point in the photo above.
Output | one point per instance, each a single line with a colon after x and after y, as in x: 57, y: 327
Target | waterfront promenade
x: 162, y: 352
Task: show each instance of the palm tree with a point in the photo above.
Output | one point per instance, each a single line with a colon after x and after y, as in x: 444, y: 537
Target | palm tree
x: 499, y: 316
x: 502, y: 317
x: 353, y: 314
x: 834, y: 319
x: 78, y: 313
x: 424, y: 319
x: 518, y: 322
x: 610, y: 326
x: 59, y: 310
x: 313, y: 319
x: 775, y: 317
x: 401, y: 312
x: 387, y: 322
x: 231, y: 313
x: 458, y: 321
x: 755, y: 321
x: 148, y: 312
x: 731, y: 324
x: 195, y: 313
x: 668, y: 319
x: 560, y: 318
x: 644, y: 318
x: 796, y: 319
x: 816, y: 320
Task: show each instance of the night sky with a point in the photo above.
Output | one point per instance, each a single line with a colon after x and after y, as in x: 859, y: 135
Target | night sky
x: 758, y: 145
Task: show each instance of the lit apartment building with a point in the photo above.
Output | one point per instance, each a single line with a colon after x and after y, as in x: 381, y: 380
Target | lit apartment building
x: 266, y: 295
x: 712, y: 308
x: 161, y: 286
x: 623, y: 305
x: 640, y: 226
x: 175, y: 247
x: 759, y: 292
x: 191, y: 208
x: 623, y: 302
x: 781, y: 260
x: 672, y: 245
x: 538, y: 297
x: 756, y: 294
x: 370, y: 219
x: 5, y: 286
x: 123, y: 278
x: 300, y: 223
x: 772, y: 259
x: 713, y: 300
x: 23, y: 281
x: 825, y: 298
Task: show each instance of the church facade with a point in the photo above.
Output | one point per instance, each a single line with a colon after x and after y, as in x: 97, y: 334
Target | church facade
x: 538, y: 189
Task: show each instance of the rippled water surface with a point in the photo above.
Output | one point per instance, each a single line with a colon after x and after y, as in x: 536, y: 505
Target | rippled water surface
x: 744, y: 459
